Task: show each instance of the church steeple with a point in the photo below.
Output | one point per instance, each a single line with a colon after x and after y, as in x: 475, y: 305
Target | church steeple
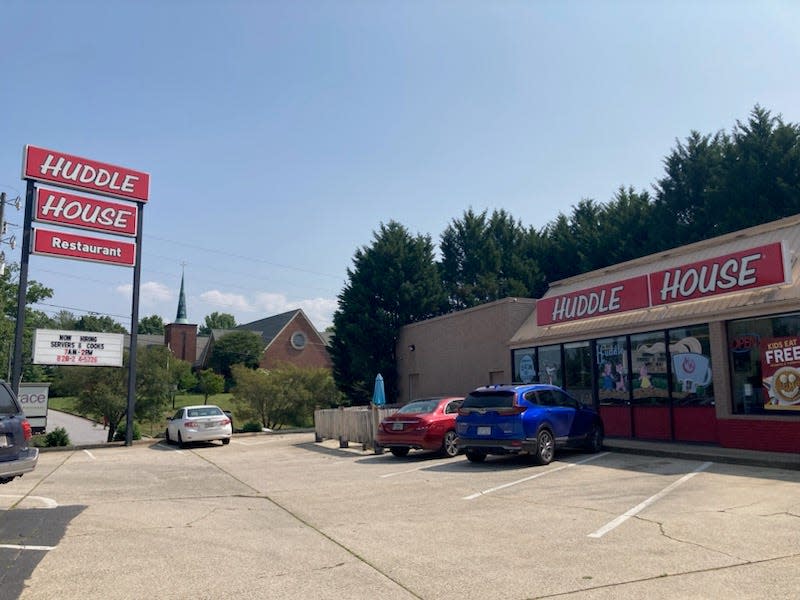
x: 181, y: 317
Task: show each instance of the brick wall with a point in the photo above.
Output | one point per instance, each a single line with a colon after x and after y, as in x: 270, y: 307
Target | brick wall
x: 314, y: 354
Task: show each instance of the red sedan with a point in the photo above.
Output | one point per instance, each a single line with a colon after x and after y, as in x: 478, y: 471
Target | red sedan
x: 426, y: 424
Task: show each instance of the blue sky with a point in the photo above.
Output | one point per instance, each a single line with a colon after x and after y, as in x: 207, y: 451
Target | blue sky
x: 280, y: 135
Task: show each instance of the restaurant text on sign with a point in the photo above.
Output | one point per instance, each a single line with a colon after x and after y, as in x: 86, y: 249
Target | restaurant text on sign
x: 67, y: 245
x: 82, y: 173
x: 72, y: 210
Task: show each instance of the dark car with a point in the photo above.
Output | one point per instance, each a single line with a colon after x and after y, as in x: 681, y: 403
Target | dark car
x: 16, y: 457
x: 533, y: 419
x: 425, y: 424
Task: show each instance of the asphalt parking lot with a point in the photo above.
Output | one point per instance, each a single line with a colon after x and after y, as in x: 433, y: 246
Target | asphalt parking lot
x: 280, y: 516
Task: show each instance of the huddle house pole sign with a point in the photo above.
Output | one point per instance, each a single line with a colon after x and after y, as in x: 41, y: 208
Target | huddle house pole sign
x: 58, y: 214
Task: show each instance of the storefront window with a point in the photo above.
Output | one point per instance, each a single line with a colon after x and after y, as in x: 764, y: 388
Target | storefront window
x: 550, y: 370
x: 525, y: 365
x: 649, y: 364
x: 578, y: 371
x: 611, y: 358
x: 690, y: 353
x: 763, y: 380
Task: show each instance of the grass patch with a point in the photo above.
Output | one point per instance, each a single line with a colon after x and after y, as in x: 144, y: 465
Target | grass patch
x: 68, y: 404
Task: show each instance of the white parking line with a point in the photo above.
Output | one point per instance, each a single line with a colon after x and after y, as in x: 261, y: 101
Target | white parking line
x: 640, y: 507
x: 90, y: 455
x: 15, y: 547
x: 506, y: 485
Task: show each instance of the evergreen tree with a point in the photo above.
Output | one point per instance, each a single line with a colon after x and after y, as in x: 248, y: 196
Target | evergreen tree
x: 486, y: 259
x: 393, y: 282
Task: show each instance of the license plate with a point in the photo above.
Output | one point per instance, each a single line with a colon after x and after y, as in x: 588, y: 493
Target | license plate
x: 210, y: 424
x: 397, y: 427
x: 3, y: 441
x: 484, y: 431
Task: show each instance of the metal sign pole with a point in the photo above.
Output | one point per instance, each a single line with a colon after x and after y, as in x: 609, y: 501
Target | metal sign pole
x: 137, y: 271
x: 22, y: 293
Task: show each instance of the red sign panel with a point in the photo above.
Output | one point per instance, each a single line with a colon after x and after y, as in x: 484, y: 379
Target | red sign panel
x: 84, y: 174
x: 748, y: 269
x: 739, y: 271
x: 80, y: 247
x: 603, y: 300
x: 72, y: 210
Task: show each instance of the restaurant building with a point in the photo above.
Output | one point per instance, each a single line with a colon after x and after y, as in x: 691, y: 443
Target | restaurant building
x: 697, y: 344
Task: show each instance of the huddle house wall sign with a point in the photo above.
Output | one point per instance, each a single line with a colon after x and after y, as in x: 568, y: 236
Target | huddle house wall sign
x: 735, y: 272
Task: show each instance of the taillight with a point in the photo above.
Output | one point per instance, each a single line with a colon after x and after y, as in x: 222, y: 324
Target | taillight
x: 190, y: 424
x: 225, y: 421
x: 26, y: 430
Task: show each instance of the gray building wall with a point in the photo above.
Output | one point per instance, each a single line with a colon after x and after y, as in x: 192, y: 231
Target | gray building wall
x: 460, y: 351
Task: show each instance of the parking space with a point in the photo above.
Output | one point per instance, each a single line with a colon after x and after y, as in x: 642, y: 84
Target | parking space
x: 282, y: 517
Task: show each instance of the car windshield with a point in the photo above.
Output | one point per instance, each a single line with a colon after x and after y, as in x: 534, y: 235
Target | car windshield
x: 419, y: 406
x: 205, y: 411
x: 493, y: 399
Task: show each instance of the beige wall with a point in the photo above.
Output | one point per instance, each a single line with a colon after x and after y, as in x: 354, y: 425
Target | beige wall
x: 458, y: 352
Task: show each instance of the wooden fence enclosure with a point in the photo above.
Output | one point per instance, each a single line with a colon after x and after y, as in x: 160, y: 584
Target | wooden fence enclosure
x: 356, y: 424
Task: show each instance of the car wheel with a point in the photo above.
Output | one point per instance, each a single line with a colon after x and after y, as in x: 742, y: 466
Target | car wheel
x: 399, y: 451
x: 226, y: 441
x: 449, y: 445
x: 545, y: 447
x: 475, y: 456
x: 594, y: 440
x: 181, y: 443
x: 166, y: 436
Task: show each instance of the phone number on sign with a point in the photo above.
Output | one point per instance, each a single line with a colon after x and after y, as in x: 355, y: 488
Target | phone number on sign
x: 76, y: 359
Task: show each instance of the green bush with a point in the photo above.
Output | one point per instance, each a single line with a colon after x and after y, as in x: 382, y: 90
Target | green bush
x: 120, y: 433
x: 56, y: 438
x: 251, y: 427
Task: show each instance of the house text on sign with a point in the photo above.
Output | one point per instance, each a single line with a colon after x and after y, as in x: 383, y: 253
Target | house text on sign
x: 72, y: 210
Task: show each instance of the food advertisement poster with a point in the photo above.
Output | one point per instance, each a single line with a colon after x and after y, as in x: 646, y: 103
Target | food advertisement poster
x: 780, y: 372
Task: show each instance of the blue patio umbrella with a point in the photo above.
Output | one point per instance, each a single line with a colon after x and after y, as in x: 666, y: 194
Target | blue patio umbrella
x: 378, y: 395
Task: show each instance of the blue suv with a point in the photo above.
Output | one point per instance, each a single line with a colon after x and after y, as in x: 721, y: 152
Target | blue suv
x: 532, y: 419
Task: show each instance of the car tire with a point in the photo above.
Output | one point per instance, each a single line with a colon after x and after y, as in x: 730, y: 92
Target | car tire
x: 399, y: 451
x: 594, y: 439
x: 166, y: 436
x: 226, y: 441
x: 545, y: 447
x: 475, y: 456
x: 449, y: 445
x: 181, y: 443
